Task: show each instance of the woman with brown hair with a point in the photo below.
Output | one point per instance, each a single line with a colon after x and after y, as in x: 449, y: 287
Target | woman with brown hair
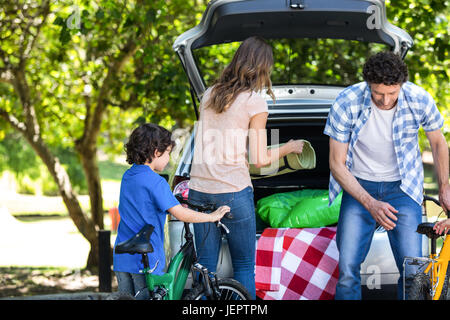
x: 230, y: 132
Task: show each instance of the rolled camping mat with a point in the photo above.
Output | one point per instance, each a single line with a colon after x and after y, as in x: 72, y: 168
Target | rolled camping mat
x: 289, y: 163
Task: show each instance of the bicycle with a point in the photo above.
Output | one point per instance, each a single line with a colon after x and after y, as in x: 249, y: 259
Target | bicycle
x: 431, y: 281
x: 171, y: 285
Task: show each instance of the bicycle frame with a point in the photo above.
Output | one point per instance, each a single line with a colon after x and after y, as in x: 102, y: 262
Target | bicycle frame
x: 174, y: 280
x: 438, y: 269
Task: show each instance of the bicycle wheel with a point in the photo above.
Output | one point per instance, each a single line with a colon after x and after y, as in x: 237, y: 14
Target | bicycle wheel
x: 229, y: 289
x: 421, y: 288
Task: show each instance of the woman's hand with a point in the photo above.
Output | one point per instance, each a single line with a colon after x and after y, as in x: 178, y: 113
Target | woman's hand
x: 219, y: 213
x: 260, y: 156
x: 295, y: 146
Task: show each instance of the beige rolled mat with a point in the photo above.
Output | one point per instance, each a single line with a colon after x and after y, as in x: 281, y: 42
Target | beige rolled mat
x: 289, y: 163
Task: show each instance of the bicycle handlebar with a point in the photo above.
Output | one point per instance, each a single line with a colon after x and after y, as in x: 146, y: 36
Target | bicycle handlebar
x: 204, y: 208
x: 196, y: 206
x: 436, y: 201
x: 428, y: 198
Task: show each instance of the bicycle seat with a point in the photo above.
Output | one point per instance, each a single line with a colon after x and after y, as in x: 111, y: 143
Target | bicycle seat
x: 139, y: 244
x: 426, y: 228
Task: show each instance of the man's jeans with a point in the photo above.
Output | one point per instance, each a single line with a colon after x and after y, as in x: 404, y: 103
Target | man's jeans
x: 356, y: 228
x: 241, y: 239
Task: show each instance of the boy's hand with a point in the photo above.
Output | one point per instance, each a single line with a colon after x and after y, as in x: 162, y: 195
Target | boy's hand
x: 219, y: 213
x: 442, y: 226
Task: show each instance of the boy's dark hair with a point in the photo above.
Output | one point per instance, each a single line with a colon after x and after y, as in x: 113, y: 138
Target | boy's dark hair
x: 386, y: 68
x: 145, y: 140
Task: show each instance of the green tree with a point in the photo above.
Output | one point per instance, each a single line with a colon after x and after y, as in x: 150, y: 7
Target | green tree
x: 428, y: 61
x: 72, y: 74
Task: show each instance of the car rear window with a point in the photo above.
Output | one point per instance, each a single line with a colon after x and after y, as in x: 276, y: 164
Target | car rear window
x: 298, y: 61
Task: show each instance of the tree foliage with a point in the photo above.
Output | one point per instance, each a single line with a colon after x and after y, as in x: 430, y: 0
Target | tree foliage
x: 78, y: 74
x: 428, y: 61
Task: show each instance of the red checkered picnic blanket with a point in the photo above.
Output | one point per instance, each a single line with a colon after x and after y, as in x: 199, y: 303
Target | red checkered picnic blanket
x: 297, y: 264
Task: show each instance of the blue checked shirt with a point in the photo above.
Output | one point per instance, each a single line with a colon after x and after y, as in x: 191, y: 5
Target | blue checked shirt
x: 415, y: 108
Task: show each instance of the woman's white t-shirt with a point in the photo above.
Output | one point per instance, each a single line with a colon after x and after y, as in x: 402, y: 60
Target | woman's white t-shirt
x: 220, y: 162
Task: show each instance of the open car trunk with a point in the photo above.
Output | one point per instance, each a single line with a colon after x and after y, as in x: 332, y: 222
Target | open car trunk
x: 227, y: 21
x: 317, y: 178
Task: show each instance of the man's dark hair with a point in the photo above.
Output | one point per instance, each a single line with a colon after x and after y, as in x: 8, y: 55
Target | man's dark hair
x: 145, y: 140
x: 386, y: 68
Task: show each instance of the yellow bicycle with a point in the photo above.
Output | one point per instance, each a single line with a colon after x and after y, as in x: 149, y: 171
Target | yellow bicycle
x: 431, y: 281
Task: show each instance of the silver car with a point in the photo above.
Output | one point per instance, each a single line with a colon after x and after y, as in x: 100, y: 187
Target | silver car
x: 302, y: 101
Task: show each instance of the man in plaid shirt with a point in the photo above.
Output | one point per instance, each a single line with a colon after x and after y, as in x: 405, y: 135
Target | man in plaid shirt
x: 375, y: 158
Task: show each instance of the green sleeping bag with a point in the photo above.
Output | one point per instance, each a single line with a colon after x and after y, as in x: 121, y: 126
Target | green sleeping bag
x: 306, y: 208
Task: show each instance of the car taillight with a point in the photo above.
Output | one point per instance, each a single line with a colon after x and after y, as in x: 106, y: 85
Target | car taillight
x: 177, y: 180
x: 180, y: 185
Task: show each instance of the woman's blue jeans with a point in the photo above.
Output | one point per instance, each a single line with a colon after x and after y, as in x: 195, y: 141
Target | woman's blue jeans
x: 241, y: 239
x: 355, y: 230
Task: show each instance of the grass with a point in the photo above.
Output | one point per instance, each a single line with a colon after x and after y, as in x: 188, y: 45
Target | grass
x: 44, y: 255
x: 112, y: 171
x: 30, y: 281
x: 46, y: 206
x: 42, y: 251
x: 21, y: 205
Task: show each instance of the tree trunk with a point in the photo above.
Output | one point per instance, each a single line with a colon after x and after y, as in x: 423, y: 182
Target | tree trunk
x: 90, y: 165
x: 83, y: 223
x: 31, y: 132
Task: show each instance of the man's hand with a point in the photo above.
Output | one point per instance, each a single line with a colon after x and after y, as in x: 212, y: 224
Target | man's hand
x: 383, y: 213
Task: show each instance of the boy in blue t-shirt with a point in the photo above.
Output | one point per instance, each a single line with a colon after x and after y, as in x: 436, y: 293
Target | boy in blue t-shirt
x: 146, y: 198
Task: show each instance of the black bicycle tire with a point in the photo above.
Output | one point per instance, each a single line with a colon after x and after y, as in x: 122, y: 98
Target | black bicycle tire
x: 445, y: 293
x: 224, y: 284
x: 421, y: 288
